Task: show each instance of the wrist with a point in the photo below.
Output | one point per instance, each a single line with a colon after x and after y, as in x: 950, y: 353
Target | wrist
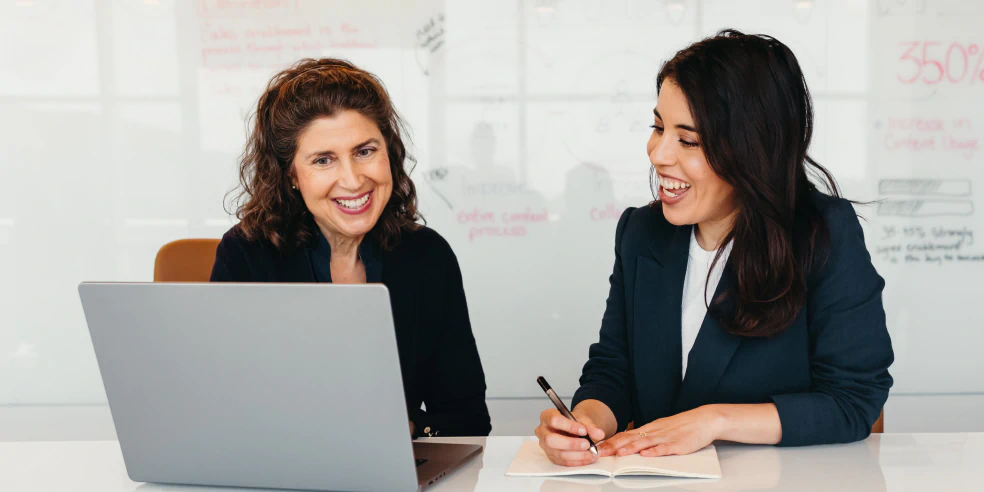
x: 582, y: 412
x: 598, y: 414
x: 717, y: 420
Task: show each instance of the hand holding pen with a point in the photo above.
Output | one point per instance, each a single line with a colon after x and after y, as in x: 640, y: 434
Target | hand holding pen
x: 566, y: 441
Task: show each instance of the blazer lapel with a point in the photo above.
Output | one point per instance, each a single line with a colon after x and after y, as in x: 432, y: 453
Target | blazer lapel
x: 712, y: 351
x: 657, y: 345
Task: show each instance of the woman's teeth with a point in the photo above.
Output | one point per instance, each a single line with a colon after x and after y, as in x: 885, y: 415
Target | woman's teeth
x: 673, y: 185
x: 354, y: 204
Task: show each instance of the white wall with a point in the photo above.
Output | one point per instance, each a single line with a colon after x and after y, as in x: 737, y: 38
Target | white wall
x: 121, y: 122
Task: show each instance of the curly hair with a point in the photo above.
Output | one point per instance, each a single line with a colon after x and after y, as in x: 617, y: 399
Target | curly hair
x: 267, y: 207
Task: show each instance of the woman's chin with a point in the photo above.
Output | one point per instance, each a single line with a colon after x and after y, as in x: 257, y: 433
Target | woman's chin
x: 353, y: 225
x: 676, y: 217
x: 356, y: 231
x: 351, y: 228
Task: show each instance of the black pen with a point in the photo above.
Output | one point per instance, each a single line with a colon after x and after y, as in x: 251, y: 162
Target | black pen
x: 563, y: 409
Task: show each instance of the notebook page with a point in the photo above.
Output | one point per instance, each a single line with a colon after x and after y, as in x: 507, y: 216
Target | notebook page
x: 531, y: 461
x: 701, y: 464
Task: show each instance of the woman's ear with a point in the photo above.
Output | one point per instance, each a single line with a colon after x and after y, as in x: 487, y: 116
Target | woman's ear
x: 292, y: 177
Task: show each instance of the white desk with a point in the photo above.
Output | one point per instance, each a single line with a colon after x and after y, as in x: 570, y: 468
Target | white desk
x: 894, y: 462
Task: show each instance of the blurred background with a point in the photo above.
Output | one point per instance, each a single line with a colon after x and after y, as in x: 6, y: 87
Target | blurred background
x: 121, y: 124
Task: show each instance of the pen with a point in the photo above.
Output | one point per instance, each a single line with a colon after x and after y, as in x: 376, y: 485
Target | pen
x: 563, y: 408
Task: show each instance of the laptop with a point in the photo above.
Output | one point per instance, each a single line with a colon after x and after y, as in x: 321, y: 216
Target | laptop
x: 292, y: 386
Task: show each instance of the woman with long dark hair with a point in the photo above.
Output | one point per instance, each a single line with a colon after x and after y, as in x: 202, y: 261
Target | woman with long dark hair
x: 743, y: 303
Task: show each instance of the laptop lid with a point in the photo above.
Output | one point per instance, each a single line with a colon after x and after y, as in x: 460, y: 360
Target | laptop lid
x: 253, y: 385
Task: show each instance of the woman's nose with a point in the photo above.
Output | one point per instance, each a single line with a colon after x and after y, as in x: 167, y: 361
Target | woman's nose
x: 661, y: 153
x: 350, y: 178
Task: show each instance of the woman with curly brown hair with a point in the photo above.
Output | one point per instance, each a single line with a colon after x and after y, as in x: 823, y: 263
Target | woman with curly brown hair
x: 325, y: 198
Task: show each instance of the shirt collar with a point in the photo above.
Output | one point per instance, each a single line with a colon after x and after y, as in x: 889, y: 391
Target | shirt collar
x: 698, y: 253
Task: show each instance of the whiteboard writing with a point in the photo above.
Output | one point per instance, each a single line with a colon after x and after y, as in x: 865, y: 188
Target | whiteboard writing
x: 246, y: 44
x: 915, y: 135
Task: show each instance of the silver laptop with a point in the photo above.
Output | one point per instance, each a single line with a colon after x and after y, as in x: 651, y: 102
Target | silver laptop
x: 294, y: 386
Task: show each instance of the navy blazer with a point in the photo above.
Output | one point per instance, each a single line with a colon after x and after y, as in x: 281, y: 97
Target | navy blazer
x: 827, y: 373
x: 438, y: 356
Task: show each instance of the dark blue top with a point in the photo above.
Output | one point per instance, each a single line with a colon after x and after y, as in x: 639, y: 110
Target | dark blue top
x: 369, y: 252
x: 827, y: 373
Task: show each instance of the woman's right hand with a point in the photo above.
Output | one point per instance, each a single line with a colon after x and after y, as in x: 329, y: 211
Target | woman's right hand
x: 562, y: 438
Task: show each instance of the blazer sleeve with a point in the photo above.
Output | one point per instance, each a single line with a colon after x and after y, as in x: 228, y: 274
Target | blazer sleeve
x: 455, y: 392
x: 850, y: 349
x: 605, y: 377
x: 231, y: 264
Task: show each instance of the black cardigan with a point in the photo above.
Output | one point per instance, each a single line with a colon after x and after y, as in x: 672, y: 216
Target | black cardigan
x: 438, y: 356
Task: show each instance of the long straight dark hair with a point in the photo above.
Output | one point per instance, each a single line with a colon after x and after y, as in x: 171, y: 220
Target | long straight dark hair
x: 754, y: 117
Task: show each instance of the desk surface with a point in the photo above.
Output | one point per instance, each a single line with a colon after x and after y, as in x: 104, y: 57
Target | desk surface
x: 893, y: 462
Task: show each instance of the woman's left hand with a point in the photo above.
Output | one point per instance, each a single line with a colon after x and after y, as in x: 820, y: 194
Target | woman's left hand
x: 682, y: 433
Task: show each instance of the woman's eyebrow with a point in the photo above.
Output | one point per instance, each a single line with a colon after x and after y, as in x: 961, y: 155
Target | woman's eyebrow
x: 682, y: 127
x: 320, y: 153
x: 367, y: 142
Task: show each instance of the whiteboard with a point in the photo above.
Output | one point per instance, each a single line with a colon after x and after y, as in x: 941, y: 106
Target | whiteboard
x: 122, y: 122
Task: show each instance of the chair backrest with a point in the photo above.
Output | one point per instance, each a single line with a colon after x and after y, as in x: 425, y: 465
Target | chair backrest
x: 185, y: 260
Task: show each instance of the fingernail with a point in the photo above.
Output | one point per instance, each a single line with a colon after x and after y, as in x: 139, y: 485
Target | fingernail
x: 582, y: 431
x: 584, y: 445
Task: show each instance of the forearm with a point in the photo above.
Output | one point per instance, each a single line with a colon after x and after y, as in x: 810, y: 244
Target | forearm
x: 599, y: 414
x: 750, y: 424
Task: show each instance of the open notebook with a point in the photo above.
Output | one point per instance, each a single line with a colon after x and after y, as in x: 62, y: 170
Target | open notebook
x: 531, y: 461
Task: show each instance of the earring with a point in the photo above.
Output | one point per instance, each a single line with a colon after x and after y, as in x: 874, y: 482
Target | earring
x: 293, y: 186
